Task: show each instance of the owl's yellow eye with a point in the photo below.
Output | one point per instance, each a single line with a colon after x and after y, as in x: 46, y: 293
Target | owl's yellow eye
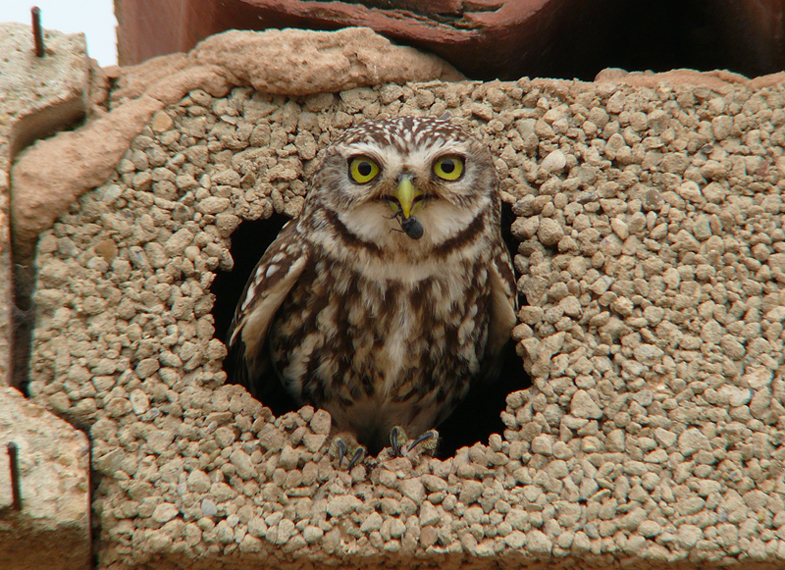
x: 363, y: 169
x: 449, y: 168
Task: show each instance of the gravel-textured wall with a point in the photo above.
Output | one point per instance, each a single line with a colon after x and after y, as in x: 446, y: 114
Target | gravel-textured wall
x: 652, y: 254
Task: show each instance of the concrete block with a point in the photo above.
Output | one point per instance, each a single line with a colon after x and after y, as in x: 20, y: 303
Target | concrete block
x: 52, y: 530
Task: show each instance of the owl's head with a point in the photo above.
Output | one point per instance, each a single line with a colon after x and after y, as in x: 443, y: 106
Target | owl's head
x: 411, y: 183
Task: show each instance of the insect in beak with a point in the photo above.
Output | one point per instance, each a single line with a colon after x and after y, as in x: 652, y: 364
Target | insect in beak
x: 411, y: 227
x: 407, y: 197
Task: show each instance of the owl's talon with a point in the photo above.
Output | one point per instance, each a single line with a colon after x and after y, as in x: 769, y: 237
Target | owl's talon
x: 402, y: 446
x: 339, y: 450
x: 427, y: 441
x: 398, y: 440
x: 359, y: 455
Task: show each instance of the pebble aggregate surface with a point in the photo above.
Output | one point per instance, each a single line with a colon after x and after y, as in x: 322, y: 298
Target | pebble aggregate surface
x: 651, y: 251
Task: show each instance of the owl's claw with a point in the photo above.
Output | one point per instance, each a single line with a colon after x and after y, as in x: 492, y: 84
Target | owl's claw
x: 426, y: 441
x: 340, y: 451
x: 397, y: 440
x: 401, y: 445
x: 359, y: 455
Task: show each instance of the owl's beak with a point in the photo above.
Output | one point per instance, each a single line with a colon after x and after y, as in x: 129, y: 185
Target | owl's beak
x: 406, y: 194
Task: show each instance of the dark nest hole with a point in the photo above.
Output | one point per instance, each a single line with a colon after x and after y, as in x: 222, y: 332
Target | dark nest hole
x: 474, y: 420
x: 669, y: 34
x: 577, y: 39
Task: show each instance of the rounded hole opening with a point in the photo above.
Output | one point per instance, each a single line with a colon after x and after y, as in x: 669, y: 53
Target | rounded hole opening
x: 474, y: 420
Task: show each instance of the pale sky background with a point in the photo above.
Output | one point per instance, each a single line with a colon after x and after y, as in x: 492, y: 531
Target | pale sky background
x: 93, y: 17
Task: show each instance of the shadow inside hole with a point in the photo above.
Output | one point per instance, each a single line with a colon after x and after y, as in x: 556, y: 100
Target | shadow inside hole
x: 508, y: 217
x: 249, y: 242
x: 474, y: 420
x: 657, y: 35
x: 479, y: 415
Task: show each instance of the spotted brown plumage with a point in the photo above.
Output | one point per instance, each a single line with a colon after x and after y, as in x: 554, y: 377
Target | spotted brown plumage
x: 393, y: 291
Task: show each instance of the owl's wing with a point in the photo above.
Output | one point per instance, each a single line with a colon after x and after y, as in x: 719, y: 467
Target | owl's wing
x: 503, y: 305
x: 272, y: 279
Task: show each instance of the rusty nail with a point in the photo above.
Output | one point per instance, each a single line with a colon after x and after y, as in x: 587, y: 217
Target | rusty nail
x: 38, y: 32
x: 16, y: 486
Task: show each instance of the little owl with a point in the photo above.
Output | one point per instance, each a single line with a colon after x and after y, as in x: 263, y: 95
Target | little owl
x: 391, y: 293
